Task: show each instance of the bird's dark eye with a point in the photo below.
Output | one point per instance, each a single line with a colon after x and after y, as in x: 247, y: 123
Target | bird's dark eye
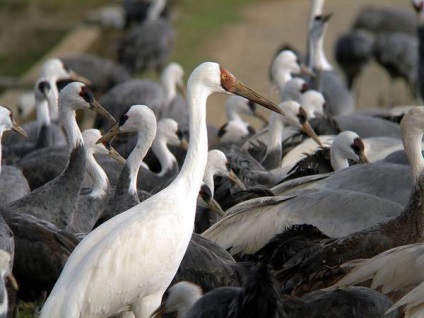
x: 87, y: 94
x: 44, y: 85
x: 107, y: 144
x: 252, y: 106
x: 179, y: 134
x: 228, y: 165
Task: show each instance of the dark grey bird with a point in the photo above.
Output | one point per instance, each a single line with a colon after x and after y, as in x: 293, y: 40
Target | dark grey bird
x: 148, y: 45
x: 56, y: 201
x: 136, y: 11
x: 353, y: 51
x: 322, y: 265
x: 13, y: 184
x: 258, y: 297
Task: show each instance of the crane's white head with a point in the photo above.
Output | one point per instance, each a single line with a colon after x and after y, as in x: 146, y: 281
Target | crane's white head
x: 7, y: 122
x: 296, y: 116
x: 286, y: 61
x: 218, y: 165
x: 137, y: 118
x: 212, y: 78
x: 168, y: 130
x: 56, y: 70
x: 347, y: 146
x: 179, y: 297
x: 42, y: 89
x: 294, y: 88
x: 313, y: 102
x: 77, y: 95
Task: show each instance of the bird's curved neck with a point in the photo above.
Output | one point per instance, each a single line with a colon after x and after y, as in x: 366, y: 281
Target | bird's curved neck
x: 280, y: 79
x: 412, y: 145
x: 317, y: 58
x: 73, y: 133
x: 193, y: 169
x: 144, y: 142
x: 276, y: 127
x: 337, y: 159
x: 165, y: 156
x: 43, y: 114
x: 168, y: 82
x: 208, y: 180
x: 233, y: 115
x: 100, y: 181
x: 53, y: 96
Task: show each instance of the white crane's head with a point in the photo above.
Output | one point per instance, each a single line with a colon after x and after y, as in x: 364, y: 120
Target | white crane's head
x: 42, y: 89
x: 214, y: 79
x: 319, y: 25
x: 77, y: 95
x: 349, y: 146
x: 91, y: 136
x: 137, y: 118
x: 297, y: 117
x: 313, y: 102
x: 168, y: 129
x: 7, y: 122
x: 419, y: 8
x: 179, y: 297
x: 55, y: 69
x: 174, y: 72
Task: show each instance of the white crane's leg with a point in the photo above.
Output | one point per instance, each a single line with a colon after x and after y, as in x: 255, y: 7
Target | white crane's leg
x: 147, y: 305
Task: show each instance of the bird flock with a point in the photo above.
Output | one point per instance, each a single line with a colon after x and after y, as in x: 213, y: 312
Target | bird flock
x: 153, y: 212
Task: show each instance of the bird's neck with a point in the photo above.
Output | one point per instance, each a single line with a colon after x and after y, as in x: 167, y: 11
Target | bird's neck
x: 208, y: 180
x: 1, y: 135
x: 193, y: 169
x: 144, y: 142
x: 280, y: 79
x: 337, y: 159
x: 276, y: 128
x: 53, y: 96
x: 165, y: 156
x: 43, y: 115
x: 73, y: 133
x: 412, y: 145
x: 100, y: 181
x: 233, y: 115
x: 317, y: 58
x: 170, y: 87
x: 155, y: 9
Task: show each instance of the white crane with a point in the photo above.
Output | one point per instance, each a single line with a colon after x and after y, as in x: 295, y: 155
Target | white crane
x: 128, y: 262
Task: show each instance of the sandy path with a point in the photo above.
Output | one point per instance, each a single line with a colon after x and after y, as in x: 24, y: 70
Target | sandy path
x: 246, y: 48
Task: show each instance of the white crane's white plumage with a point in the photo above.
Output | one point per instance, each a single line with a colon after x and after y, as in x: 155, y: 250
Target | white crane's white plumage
x: 128, y: 262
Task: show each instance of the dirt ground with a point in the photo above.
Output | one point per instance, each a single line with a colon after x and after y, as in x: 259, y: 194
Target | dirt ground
x: 246, y: 48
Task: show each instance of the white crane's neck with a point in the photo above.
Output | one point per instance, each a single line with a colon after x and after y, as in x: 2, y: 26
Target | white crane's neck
x: 208, y: 180
x: 275, y: 133
x: 42, y: 112
x: 100, y: 181
x: 69, y: 122
x: 281, y: 78
x: 144, y: 142
x: 53, y: 97
x: 193, y: 169
x: 165, y: 156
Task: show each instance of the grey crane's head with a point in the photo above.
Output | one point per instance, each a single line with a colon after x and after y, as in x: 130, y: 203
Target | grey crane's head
x: 54, y: 68
x: 213, y: 78
x: 178, y: 298
x: 7, y: 122
x: 42, y: 89
x: 313, y: 102
x: 77, y: 95
x: 319, y: 25
x: 296, y: 116
x: 137, y: 118
x: 169, y: 132
x: 287, y: 61
x: 350, y: 146
x: 91, y: 136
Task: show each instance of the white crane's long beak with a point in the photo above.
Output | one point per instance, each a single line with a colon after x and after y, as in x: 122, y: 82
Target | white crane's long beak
x: 16, y: 127
x: 110, y: 134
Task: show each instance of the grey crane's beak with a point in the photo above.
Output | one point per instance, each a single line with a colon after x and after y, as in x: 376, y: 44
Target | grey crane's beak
x: 114, y: 131
x: 95, y: 106
x: 183, y: 89
x: 159, y: 311
x: 13, y: 281
x: 184, y: 143
x: 234, y: 179
x: 362, y: 157
x: 216, y: 207
x: 16, y: 127
x: 115, y: 155
x: 306, y: 70
x: 306, y: 127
